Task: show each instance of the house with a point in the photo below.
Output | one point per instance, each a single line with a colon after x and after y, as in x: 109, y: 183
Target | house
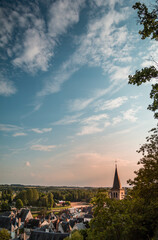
x: 10, y: 224
x: 24, y: 215
x: 30, y: 225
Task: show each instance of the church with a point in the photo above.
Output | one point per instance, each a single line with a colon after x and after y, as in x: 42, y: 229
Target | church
x: 117, y: 192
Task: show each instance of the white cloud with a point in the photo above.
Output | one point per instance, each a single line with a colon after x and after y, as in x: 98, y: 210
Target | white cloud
x: 36, y: 53
x: 7, y: 87
x: 37, y: 37
x: 19, y: 134
x: 90, y: 129
x: 130, y: 114
x: 63, y: 14
x: 68, y: 120
x: 104, y: 40
x: 43, y: 130
x: 110, y: 104
x: 79, y: 104
x: 28, y: 164
x: 93, y: 124
x: 95, y: 118
x: 116, y: 120
x: 9, y: 127
x: 45, y: 148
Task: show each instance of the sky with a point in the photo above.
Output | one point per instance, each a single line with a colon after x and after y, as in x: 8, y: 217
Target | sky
x: 67, y: 110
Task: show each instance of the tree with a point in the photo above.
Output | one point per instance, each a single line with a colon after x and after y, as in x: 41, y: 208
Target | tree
x: 145, y: 184
x: 76, y: 235
x: 23, y: 196
x: 142, y: 76
x: 5, y: 206
x: 149, y: 20
x: 50, y: 200
x: 35, y: 195
x: 4, y: 234
x: 30, y: 196
x: 19, y: 204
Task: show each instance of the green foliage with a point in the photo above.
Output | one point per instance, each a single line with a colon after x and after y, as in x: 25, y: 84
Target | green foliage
x: 50, y: 200
x: 5, y: 206
x: 76, y: 235
x: 4, y: 234
x: 19, y: 204
x: 74, y: 195
x: 146, y: 74
x: 29, y: 196
x: 7, y: 194
x: 145, y: 184
x: 149, y: 20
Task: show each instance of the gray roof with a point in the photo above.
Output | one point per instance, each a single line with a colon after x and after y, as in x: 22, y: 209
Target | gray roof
x: 23, y: 214
x: 5, y: 222
x: 116, y: 183
x: 39, y: 235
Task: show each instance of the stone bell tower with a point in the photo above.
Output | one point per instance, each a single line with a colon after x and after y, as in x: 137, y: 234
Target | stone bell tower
x: 116, y: 191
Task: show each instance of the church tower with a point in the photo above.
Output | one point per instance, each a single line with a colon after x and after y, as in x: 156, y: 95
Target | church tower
x: 116, y: 191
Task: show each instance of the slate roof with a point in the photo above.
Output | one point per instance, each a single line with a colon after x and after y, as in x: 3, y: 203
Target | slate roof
x: 5, y: 222
x: 38, y: 235
x: 33, y: 223
x: 116, y: 183
x: 79, y: 226
x: 88, y: 216
x: 65, y: 226
x: 72, y: 222
x: 23, y: 214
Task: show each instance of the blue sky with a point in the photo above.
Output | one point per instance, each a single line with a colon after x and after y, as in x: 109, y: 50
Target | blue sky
x: 67, y: 111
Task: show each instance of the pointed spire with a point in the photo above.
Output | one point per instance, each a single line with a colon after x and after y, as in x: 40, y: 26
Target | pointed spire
x: 116, y: 183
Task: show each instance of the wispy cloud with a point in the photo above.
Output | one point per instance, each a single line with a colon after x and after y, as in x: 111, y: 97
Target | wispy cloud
x: 43, y: 130
x: 34, y: 45
x: 130, y: 114
x: 110, y: 104
x: 7, y: 87
x: 45, y: 148
x: 93, y: 124
x: 89, y: 129
x: 102, y: 42
x: 9, y: 127
x: 79, y: 104
x: 19, y: 134
x: 95, y: 118
x: 68, y: 120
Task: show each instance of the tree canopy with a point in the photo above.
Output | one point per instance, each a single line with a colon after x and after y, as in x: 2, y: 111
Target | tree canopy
x: 149, y: 20
x: 4, y: 234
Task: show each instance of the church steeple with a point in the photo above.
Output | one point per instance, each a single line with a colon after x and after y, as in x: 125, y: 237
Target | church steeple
x: 116, y: 191
x: 116, y: 183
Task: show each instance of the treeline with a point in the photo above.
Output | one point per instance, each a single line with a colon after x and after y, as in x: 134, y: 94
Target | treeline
x: 43, y: 196
x: 74, y: 195
x: 32, y: 197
